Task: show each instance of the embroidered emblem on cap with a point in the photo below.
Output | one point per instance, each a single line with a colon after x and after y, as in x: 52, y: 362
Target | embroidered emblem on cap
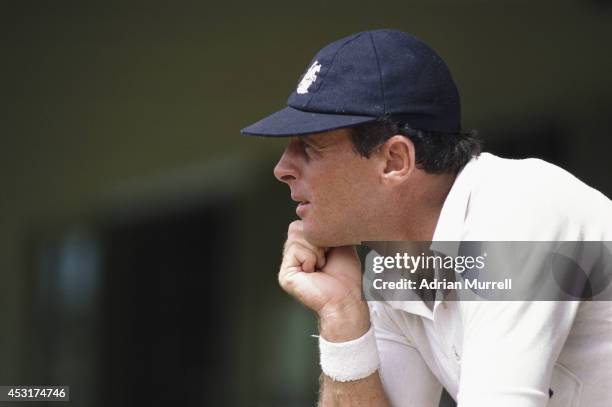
x: 309, y: 77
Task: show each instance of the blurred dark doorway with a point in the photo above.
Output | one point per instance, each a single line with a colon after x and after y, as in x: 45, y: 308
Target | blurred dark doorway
x: 166, y: 309
x: 546, y: 139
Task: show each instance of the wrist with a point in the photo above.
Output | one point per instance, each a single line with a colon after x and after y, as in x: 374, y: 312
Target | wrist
x: 350, y: 360
x: 344, y: 322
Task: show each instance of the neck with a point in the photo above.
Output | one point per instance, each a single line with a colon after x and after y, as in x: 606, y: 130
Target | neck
x: 418, y: 216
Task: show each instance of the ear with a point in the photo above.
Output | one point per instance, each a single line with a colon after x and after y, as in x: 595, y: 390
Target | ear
x: 398, y: 156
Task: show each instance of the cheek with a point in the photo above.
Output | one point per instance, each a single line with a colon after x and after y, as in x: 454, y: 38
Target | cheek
x: 342, y: 192
x: 345, y: 198
x: 327, y: 201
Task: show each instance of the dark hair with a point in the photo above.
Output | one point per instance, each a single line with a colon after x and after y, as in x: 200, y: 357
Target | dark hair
x: 436, y: 152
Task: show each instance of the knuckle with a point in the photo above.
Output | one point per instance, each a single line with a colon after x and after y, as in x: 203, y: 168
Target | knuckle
x: 290, y: 244
x: 281, y: 279
x: 285, y: 283
x: 290, y: 249
x: 295, y: 227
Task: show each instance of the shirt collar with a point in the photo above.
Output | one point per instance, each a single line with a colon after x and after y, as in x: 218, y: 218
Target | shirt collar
x: 451, y: 223
x: 449, y: 228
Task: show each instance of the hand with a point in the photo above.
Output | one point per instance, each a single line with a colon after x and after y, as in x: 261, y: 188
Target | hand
x: 328, y: 281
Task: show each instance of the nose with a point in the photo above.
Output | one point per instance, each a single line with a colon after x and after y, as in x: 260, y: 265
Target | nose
x: 286, y: 169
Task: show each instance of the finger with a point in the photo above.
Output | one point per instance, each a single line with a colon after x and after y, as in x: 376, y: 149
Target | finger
x: 298, y: 255
x: 319, y: 252
x: 285, y: 276
x: 307, y: 259
x: 296, y: 232
x: 295, y: 229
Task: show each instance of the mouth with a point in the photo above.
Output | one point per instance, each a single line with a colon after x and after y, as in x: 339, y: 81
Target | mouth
x: 302, y: 208
x: 303, y: 204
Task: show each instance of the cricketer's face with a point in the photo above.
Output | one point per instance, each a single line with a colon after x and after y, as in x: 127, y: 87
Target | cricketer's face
x: 334, y: 186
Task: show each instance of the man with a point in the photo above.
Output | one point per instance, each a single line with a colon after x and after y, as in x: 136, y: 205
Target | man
x: 376, y: 153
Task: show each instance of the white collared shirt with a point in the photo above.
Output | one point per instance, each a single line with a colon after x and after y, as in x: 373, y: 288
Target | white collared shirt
x: 519, y: 353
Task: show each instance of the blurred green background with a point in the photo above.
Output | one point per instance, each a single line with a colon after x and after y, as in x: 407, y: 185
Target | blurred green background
x: 140, y: 234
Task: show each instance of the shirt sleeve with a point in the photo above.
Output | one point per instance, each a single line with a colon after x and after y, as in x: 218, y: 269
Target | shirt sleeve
x: 510, y: 349
x: 407, y: 380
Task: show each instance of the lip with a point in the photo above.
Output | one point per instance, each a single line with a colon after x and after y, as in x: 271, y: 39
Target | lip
x: 302, y: 208
x: 303, y: 203
x: 297, y: 197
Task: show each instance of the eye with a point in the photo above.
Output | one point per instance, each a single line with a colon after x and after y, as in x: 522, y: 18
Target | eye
x: 308, y: 149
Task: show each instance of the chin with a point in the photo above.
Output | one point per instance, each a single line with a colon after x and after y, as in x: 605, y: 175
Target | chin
x: 321, y: 236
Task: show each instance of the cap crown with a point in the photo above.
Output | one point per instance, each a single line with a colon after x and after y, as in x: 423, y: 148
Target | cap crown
x: 377, y: 73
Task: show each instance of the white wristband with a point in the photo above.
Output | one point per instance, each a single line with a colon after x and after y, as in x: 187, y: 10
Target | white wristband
x: 351, y: 360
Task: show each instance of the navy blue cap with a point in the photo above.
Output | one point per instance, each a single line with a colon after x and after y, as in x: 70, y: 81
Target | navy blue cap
x: 363, y: 77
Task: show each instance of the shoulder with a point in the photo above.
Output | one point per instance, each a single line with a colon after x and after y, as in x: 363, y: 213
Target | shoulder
x: 532, y: 199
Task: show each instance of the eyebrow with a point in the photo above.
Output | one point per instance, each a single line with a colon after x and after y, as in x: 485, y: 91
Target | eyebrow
x: 317, y: 142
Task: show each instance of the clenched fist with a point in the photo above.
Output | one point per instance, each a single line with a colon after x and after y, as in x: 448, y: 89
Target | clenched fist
x: 328, y: 281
